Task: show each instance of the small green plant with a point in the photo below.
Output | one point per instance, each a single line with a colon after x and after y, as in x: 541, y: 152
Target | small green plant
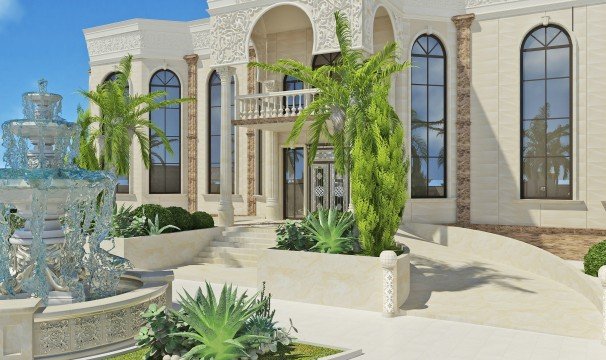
x: 183, y: 219
x: 595, y: 258
x: 153, y: 227
x: 331, y: 231
x: 293, y: 236
x: 15, y: 222
x: 202, y: 220
x: 215, y: 325
x: 155, y: 335
x: 121, y: 220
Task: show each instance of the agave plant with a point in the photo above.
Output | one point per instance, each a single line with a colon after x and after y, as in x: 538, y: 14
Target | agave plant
x: 216, y: 324
x: 331, y: 229
x: 153, y: 227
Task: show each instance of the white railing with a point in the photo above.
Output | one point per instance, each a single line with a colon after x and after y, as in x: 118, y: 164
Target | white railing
x: 273, y: 104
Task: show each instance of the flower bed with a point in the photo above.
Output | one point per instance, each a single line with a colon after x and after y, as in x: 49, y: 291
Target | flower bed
x: 164, y: 251
x: 348, y: 281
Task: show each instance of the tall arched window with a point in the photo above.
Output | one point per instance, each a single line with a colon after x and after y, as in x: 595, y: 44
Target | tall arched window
x: 291, y: 83
x: 214, y: 145
x: 165, y: 169
x: 546, y: 111
x: 123, y: 186
x: 428, y: 118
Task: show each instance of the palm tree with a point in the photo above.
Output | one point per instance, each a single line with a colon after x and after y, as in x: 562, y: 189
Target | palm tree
x: 122, y: 116
x: 345, y: 93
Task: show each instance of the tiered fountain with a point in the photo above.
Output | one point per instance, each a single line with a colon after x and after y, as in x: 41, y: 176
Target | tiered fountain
x: 54, y: 217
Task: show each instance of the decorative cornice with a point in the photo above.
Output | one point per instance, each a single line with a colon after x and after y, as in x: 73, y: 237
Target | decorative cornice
x: 117, y: 43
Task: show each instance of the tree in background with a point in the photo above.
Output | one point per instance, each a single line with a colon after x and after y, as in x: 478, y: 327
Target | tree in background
x: 107, y: 138
x: 353, y: 113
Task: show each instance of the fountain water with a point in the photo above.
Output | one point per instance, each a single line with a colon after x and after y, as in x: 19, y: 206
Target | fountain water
x: 55, y: 254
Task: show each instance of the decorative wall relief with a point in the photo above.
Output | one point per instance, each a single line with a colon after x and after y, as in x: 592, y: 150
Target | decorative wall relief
x: 111, y: 44
x: 229, y: 36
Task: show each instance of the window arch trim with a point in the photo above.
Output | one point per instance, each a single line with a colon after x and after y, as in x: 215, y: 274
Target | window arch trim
x: 437, y: 50
x: 546, y: 45
x: 168, y: 83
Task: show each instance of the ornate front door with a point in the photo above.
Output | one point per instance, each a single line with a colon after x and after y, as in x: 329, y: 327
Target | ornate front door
x: 328, y: 189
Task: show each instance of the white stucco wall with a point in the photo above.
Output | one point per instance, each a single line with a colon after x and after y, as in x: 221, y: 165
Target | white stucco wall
x: 495, y: 137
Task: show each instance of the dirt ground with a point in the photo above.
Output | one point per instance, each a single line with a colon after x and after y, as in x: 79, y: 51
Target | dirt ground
x: 569, y: 244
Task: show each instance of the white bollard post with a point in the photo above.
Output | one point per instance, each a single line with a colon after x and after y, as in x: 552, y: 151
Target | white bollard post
x: 388, y: 263
x: 602, y: 277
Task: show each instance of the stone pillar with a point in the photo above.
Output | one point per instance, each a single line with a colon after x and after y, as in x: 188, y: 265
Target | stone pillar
x: 250, y: 152
x: 389, y: 260
x: 226, y: 206
x: 192, y: 132
x: 17, y: 328
x: 463, y: 120
x: 272, y: 172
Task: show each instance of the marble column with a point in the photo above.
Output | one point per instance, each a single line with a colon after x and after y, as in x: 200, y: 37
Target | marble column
x: 192, y: 132
x: 272, y: 172
x: 463, y: 120
x: 226, y: 206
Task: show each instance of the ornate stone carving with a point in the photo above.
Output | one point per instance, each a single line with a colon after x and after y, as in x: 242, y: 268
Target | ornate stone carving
x: 122, y: 42
x: 201, y: 39
x: 120, y: 324
x: 478, y: 3
x: 87, y: 332
x: 228, y: 42
x: 54, y: 336
x: 368, y: 18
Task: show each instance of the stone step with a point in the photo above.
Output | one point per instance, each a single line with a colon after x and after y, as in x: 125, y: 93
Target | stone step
x: 233, y: 251
x: 250, y: 239
x: 226, y: 262
x: 243, y: 245
x: 260, y: 231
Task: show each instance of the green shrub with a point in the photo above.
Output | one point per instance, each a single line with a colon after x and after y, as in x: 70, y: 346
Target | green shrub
x: 202, y: 220
x: 595, y: 258
x: 156, y: 334
x: 293, y: 236
x: 183, y: 219
x: 331, y: 230
x: 150, y: 211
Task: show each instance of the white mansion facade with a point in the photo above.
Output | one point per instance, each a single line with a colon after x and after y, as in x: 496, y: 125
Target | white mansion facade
x: 505, y: 107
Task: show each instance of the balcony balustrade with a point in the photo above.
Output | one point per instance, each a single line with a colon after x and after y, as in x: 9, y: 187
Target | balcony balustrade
x: 279, y: 104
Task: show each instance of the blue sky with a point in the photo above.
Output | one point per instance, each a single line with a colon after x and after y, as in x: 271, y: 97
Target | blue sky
x: 43, y: 38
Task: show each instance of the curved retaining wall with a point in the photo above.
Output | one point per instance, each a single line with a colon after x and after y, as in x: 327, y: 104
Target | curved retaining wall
x: 508, y: 251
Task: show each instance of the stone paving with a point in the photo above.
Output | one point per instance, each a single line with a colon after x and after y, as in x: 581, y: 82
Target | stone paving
x: 416, y: 338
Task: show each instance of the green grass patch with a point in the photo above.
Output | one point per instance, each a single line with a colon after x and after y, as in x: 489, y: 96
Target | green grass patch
x: 135, y: 355
x: 299, y: 351
x: 295, y: 351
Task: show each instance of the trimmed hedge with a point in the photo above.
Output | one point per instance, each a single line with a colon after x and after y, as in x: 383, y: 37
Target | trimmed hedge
x: 183, y: 219
x: 595, y: 258
x: 150, y: 211
x: 202, y: 220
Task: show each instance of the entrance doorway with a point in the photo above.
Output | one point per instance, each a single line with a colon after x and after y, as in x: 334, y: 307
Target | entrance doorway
x: 294, y: 186
x: 329, y: 190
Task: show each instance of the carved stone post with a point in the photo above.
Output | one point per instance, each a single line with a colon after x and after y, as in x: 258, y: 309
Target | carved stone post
x: 602, y: 277
x: 463, y: 122
x: 272, y: 175
x: 389, y: 260
x: 250, y: 151
x: 192, y: 132
x: 226, y: 206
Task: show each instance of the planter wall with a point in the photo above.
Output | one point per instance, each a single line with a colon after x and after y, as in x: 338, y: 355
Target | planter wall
x: 347, y: 281
x: 165, y: 251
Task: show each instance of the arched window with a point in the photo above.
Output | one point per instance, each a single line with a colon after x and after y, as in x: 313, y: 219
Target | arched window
x: 165, y: 170
x: 325, y: 59
x: 546, y: 111
x: 123, y: 186
x: 291, y: 84
x: 214, y: 145
x: 428, y: 118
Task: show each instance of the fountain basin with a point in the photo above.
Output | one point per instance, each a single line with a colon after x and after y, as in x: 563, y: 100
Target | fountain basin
x: 83, y: 329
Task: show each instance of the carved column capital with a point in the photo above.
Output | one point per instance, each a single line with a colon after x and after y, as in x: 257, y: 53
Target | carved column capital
x: 192, y: 59
x: 463, y: 21
x: 226, y: 73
